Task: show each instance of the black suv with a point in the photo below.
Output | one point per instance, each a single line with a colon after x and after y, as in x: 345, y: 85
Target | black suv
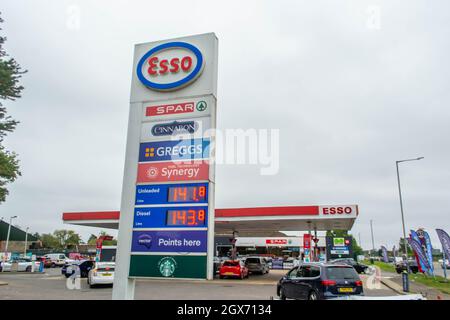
x: 401, y: 266
x: 319, y: 281
x: 359, y: 267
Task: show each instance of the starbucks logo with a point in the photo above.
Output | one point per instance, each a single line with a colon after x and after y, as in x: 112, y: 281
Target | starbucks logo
x: 201, y: 106
x: 167, y: 266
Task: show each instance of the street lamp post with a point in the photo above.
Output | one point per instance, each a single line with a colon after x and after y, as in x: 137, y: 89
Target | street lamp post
x: 401, y: 208
x: 26, y: 238
x: 7, y: 237
x: 373, y: 242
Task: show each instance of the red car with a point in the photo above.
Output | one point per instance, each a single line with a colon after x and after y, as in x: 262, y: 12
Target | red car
x: 47, y: 262
x: 233, y: 268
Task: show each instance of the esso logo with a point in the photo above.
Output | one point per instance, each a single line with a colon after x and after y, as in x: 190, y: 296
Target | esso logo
x: 170, y: 66
x: 336, y: 210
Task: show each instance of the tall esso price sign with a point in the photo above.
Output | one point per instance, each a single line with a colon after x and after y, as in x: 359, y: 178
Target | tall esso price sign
x: 166, y: 227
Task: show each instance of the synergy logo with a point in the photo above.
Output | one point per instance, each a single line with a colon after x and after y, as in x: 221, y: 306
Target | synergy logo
x: 172, y: 171
x: 170, y: 66
x: 174, y: 150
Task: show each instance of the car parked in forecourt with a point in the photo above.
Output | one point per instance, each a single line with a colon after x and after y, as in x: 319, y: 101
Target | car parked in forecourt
x: 318, y: 281
x: 233, y: 268
x: 23, y: 265
x: 101, y: 273
x: 257, y: 265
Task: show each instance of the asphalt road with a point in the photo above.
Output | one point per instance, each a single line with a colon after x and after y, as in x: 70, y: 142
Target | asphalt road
x: 51, y: 285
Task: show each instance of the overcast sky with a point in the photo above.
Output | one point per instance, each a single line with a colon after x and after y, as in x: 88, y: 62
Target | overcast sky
x: 352, y: 86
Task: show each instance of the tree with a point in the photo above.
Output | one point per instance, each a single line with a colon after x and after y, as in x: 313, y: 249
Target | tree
x: 10, y: 89
x: 92, y: 239
x: 67, y: 238
x: 49, y: 241
x: 401, y: 247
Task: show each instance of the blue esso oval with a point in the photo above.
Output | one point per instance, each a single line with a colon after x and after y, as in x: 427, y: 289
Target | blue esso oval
x: 170, y: 66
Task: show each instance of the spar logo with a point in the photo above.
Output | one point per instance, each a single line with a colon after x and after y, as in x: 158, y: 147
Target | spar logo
x: 170, y: 66
x: 175, y: 108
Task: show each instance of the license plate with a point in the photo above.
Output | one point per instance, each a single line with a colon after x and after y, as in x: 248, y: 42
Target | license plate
x: 106, y: 274
x: 345, y: 289
x: 228, y: 273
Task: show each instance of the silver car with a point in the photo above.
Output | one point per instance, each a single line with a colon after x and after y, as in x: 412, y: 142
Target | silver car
x: 257, y: 265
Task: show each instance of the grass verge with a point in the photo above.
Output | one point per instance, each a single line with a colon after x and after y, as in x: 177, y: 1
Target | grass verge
x: 436, y: 282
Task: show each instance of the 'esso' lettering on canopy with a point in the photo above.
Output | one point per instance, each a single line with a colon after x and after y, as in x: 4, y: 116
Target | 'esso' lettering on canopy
x: 170, y: 66
x: 337, y: 210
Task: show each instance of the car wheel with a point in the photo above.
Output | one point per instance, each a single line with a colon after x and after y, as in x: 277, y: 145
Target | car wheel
x: 313, y: 296
x: 221, y: 277
x: 28, y: 269
x: 91, y: 286
x: 53, y: 265
x: 282, y: 295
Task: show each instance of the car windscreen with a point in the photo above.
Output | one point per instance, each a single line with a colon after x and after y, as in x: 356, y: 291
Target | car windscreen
x: 252, y: 260
x: 336, y: 273
x: 231, y: 263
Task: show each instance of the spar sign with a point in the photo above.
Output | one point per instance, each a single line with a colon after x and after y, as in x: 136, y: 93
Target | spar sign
x: 170, y: 66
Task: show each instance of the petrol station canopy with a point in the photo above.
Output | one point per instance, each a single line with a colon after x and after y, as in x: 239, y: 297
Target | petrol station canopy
x: 248, y: 222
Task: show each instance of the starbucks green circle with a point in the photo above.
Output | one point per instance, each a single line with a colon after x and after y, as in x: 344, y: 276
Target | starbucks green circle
x: 167, y: 266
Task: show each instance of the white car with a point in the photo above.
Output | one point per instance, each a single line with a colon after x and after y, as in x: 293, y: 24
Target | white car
x: 102, y: 273
x: 58, y: 259
x: 22, y: 265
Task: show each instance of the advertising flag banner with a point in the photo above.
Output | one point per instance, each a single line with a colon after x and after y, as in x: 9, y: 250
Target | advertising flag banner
x: 415, y: 237
x: 415, y: 245
x: 385, y: 254
x: 445, y: 241
x: 429, y: 251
